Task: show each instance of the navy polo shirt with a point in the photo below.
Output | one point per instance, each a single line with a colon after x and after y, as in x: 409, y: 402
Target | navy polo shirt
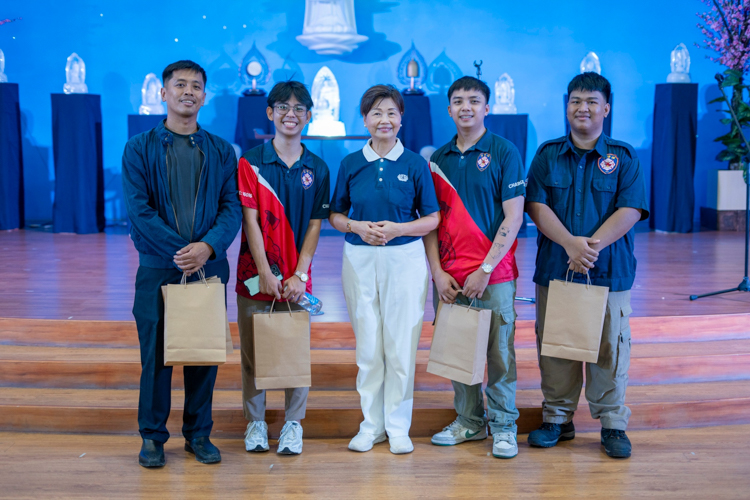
x: 584, y: 191
x: 396, y: 188
x: 484, y: 176
x: 304, y: 196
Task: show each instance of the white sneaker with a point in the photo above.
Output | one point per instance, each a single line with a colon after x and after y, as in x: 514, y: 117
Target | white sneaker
x: 400, y: 445
x: 290, y: 442
x: 364, y: 441
x: 505, y: 445
x: 256, y: 436
x: 456, y: 433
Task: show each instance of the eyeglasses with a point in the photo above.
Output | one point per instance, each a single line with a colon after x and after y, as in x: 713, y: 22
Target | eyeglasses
x: 283, y: 109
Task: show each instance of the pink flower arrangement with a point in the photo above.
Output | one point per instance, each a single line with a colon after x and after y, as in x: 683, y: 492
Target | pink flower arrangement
x: 726, y: 27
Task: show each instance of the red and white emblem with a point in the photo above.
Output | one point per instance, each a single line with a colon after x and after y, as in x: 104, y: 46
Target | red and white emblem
x: 483, y: 161
x: 608, y: 164
x: 307, y: 178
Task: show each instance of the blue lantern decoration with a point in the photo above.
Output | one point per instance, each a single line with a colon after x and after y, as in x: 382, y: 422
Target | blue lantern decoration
x: 254, y: 71
x: 442, y: 73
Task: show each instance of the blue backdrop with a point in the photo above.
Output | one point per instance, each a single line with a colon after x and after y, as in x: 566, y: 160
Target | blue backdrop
x: 540, y: 46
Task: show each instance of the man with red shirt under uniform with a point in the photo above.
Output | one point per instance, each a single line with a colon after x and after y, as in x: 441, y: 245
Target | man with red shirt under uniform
x: 285, y: 192
x: 479, y: 181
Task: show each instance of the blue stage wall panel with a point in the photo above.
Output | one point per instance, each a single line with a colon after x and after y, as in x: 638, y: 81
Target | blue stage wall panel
x: 539, y: 47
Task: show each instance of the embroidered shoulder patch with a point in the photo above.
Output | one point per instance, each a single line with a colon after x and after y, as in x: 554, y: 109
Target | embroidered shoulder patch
x: 608, y: 164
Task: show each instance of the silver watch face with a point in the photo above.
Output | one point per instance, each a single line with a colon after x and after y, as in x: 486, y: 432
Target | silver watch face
x: 486, y: 268
x: 302, y: 277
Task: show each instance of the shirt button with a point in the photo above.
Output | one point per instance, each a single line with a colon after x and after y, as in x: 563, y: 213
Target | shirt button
x: 580, y: 166
x: 381, y: 169
x: 578, y: 214
x: 579, y: 190
x: 462, y: 157
x: 381, y: 160
x: 381, y: 180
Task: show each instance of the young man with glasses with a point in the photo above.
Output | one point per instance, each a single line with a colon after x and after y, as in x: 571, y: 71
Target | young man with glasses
x: 284, y: 191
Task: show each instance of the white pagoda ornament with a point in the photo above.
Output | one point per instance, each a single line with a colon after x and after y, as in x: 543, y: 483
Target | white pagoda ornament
x: 151, y: 96
x: 326, y: 106
x: 330, y: 27
x: 679, y: 62
x: 75, y: 75
x: 505, y: 96
x: 591, y: 63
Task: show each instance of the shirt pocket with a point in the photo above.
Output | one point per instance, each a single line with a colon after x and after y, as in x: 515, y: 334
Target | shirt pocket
x: 604, y: 193
x: 558, y: 184
x: 401, y: 195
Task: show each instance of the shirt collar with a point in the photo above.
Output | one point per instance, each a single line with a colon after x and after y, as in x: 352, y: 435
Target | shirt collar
x: 167, y: 136
x: 271, y: 156
x: 483, y: 144
x: 393, y: 154
x: 600, y: 147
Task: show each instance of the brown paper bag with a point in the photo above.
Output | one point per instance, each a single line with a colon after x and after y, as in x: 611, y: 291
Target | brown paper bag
x: 574, y: 320
x: 282, y: 349
x: 196, y: 329
x: 459, y: 343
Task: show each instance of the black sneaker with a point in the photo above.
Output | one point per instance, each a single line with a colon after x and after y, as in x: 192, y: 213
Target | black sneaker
x: 549, y: 434
x: 616, y: 443
x: 152, y: 454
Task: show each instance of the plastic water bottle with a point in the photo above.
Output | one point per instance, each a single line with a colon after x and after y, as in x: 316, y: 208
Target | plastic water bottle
x: 311, y: 303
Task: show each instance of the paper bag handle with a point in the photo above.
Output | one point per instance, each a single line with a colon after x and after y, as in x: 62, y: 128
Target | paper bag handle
x: 588, y: 278
x: 287, y: 304
x: 201, y: 275
x: 471, y: 304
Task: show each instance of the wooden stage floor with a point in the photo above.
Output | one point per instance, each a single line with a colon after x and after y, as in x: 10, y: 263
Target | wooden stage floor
x: 679, y: 463
x: 91, y: 277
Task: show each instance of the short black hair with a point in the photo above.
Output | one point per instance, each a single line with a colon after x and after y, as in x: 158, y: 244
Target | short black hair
x: 377, y: 93
x: 591, y: 82
x: 282, y: 91
x: 469, y: 83
x: 179, y: 65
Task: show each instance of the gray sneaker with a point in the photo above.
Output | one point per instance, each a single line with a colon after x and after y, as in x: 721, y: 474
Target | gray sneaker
x: 456, y: 433
x: 290, y: 442
x: 505, y: 445
x: 256, y: 436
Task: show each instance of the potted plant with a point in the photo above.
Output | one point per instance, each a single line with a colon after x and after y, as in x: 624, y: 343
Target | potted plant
x: 726, y: 27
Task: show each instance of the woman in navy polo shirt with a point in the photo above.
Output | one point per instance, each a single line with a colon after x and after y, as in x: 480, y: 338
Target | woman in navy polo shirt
x: 384, y: 201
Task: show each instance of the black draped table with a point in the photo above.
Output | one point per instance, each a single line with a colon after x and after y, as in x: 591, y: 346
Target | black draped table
x: 251, y: 115
x: 143, y: 123
x: 79, y: 172
x: 673, y: 157
x: 416, y: 125
x: 11, y: 159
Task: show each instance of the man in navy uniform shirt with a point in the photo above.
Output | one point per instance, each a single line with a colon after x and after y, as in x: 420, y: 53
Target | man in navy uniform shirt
x: 585, y: 194
x: 479, y: 181
x: 284, y: 191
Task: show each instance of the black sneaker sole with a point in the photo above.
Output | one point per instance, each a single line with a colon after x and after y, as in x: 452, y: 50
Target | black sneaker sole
x: 151, y: 464
x: 611, y: 455
x: 549, y: 444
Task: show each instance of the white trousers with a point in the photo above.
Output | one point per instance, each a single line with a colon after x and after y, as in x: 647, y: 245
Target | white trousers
x: 385, y: 290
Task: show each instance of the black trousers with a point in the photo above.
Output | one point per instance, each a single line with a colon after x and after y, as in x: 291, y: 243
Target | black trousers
x: 156, y: 379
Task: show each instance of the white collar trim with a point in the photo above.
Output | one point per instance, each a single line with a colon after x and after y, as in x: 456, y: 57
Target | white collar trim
x: 393, y: 154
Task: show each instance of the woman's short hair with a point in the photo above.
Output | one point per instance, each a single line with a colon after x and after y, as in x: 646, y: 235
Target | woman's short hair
x: 377, y: 93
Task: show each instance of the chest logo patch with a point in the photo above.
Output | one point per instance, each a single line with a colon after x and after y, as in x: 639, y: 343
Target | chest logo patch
x: 307, y: 178
x: 483, y: 161
x: 403, y: 177
x: 608, y: 164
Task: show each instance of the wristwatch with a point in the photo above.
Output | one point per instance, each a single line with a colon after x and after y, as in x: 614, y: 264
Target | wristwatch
x: 302, y: 276
x: 487, y: 268
x: 349, y: 226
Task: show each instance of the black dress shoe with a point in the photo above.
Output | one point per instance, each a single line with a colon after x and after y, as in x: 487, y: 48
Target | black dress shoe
x: 152, y: 454
x: 205, y: 452
x: 549, y: 434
